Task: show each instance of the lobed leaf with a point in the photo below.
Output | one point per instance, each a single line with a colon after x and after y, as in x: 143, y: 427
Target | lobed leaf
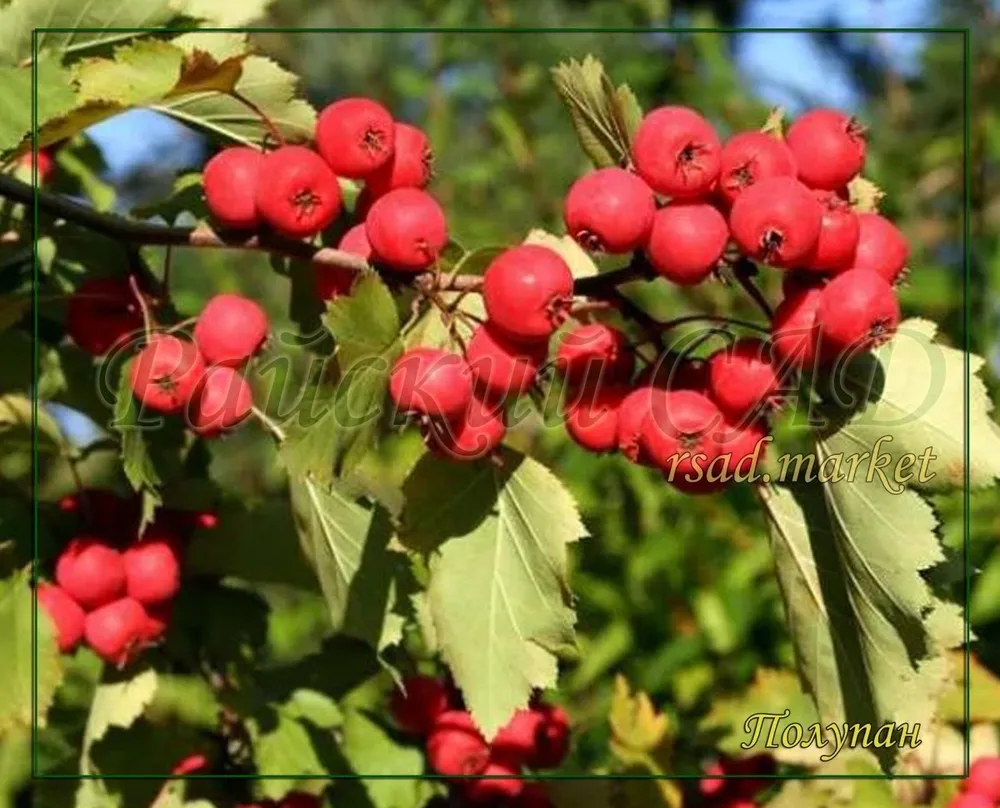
x: 137, y: 462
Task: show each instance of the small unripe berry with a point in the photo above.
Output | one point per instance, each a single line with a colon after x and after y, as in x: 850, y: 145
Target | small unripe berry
x: 677, y: 152
x: 794, y: 331
x: 829, y: 148
x: 839, y: 232
x: 100, y: 313
x: 65, y: 613
x: 431, y: 382
x: 455, y: 747
x: 91, y: 572
x: 418, y: 703
x: 881, y: 247
x: 298, y: 195
x: 609, y: 210
x: 152, y: 570
x: 406, y: 229
x: 355, y: 136
x: 527, y: 291
x: 680, y: 433
x: 500, y: 366
x: 594, y: 353
x: 749, y: 157
x: 410, y: 166
x: 857, y: 310
x: 222, y: 401
x: 478, y: 432
x: 165, y: 373
x: 742, y: 377
x: 592, y: 417
x: 230, y: 329
x: 984, y: 778
x: 114, y: 631
x: 497, y: 789
x: 687, y: 241
x: 776, y: 221
x: 230, y: 180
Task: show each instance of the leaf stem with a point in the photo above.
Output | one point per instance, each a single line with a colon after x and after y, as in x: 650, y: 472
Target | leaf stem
x: 272, y: 128
x: 268, y: 423
x: 147, y: 320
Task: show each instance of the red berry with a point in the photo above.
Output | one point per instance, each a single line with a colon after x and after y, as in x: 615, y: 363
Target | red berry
x: 299, y: 799
x: 503, y: 784
x: 152, y: 570
x: 431, y: 382
x: 500, y: 366
x: 298, y: 194
x: 455, y: 747
x: 416, y: 706
x: 165, y: 373
x: 592, y: 417
x: 406, y: 229
x: 101, y: 311
x: 739, y: 442
x: 881, y: 248
x: 838, y: 235
x: 476, y: 434
x: 829, y: 148
x: 410, y: 166
x: 632, y: 414
x: 687, y: 241
x: 680, y: 433
x: 91, y: 572
x: 516, y: 741
x: 594, y: 353
x: 190, y: 765
x: 971, y: 800
x: 222, y: 401
x: 857, y: 310
x: 230, y: 329
x: 794, y: 330
x: 65, y: 613
x: 742, y: 377
x: 677, y: 152
x: 156, y: 623
x: 355, y: 136
x: 355, y: 241
x: 231, y: 179
x: 551, y: 738
x: 749, y: 157
x: 333, y: 282
x: 114, y: 631
x: 527, y: 291
x: 534, y: 795
x: 776, y: 221
x: 984, y: 778
x: 46, y: 164
x: 609, y: 210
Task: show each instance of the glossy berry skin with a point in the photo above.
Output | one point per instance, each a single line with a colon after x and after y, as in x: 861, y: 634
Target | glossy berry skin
x: 230, y: 180
x: 102, y: 312
x: 592, y: 417
x: 984, y: 778
x: 609, y: 210
x: 455, y: 747
x: 593, y: 353
x: 500, y: 366
x: 91, y: 572
x: 840, y: 230
x: 857, y: 310
x: 687, y: 241
x: 742, y: 377
x: 114, y: 631
x: 416, y: 706
x: 406, y: 229
x: 679, y: 422
x: 776, y: 221
x: 410, y: 166
x: 829, y: 148
x: 66, y: 615
x: 230, y: 329
x: 222, y: 401
x: 749, y: 157
x: 677, y: 152
x: 355, y: 136
x: 632, y: 414
x: 431, y: 382
x: 476, y: 434
x: 527, y: 291
x: 881, y: 248
x: 355, y: 241
x: 503, y: 784
x: 971, y: 800
x: 166, y: 372
x: 298, y: 195
x: 152, y: 570
x: 794, y: 331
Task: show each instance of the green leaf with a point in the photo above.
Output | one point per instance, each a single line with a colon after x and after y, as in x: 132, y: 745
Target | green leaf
x: 983, y: 688
x: 137, y: 461
x: 498, y: 592
x: 636, y: 727
x: 18, y: 668
x: 55, y: 95
x: 580, y: 264
x: 285, y: 752
x: 775, y: 123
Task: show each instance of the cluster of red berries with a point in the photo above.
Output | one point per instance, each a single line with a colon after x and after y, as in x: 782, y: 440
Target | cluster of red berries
x: 732, y: 782
x: 113, y: 591
x: 535, y: 739
x: 981, y: 789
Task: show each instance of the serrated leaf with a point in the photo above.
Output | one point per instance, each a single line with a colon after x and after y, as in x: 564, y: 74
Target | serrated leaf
x: 19, y: 669
x: 119, y: 704
x: 580, y: 264
x: 285, y: 754
x: 983, y: 687
x: 636, y: 726
x: 911, y: 391
x: 137, y: 462
x: 55, y: 94
x: 629, y: 109
x: 865, y: 195
x: 498, y: 593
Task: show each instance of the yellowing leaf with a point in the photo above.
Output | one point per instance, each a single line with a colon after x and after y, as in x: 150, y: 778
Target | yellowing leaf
x: 636, y: 726
x: 865, y: 195
x: 775, y: 123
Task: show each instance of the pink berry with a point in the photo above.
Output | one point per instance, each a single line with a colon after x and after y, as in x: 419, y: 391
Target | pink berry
x: 527, y: 291
x: 406, y: 229
x: 230, y: 329
x: 114, y: 631
x: 749, y: 157
x: 829, y: 148
x: 677, y: 152
x: 609, y: 210
x: 230, y: 180
x: 687, y: 241
x: 355, y: 136
x: 355, y: 241
x: 222, y: 401
x: 65, y: 613
x: 91, y: 572
x: 971, y: 800
x: 153, y: 570
x: 984, y: 778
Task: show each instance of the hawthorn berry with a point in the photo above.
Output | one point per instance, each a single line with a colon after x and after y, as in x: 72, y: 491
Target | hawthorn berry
x: 455, y: 747
x: 594, y: 353
x: 152, y: 570
x: 632, y: 414
x: 406, y: 229
x: 776, y: 221
x: 794, y: 330
x: 333, y: 282
x: 500, y: 366
x: 742, y: 378
x: 881, y: 247
x: 230, y: 329
x: 609, y: 210
x: 91, y: 572
x: 65, y: 613
x: 418, y: 703
x: 231, y: 179
x: 410, y: 166
x: 971, y: 799
x: 516, y: 740
x: 687, y: 241
x: 114, y: 631
x: 355, y: 241
x: 355, y: 136
x: 749, y: 157
x: 298, y: 195
x: 165, y: 373
x: 592, y: 417
x: 100, y: 312
x: 222, y: 400
x: 839, y: 233
x: 677, y: 152
x: 478, y: 432
x: 857, y: 310
x: 984, y: 778
x: 679, y: 434
x: 156, y: 623
x: 743, y: 445
x: 503, y: 784
x: 46, y: 164
x: 527, y: 291
x: 534, y: 795
x: 431, y: 382
x: 551, y: 737
x: 829, y: 148
x: 190, y: 764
